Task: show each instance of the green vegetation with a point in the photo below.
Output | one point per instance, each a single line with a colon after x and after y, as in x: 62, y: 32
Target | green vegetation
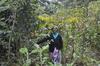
x: 23, y: 22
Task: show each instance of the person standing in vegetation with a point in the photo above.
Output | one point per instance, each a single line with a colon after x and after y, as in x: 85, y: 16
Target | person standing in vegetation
x: 55, y: 46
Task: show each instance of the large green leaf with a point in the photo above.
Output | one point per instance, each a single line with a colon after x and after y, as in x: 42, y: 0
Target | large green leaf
x: 45, y: 47
x: 2, y: 8
x: 23, y: 50
x: 2, y: 2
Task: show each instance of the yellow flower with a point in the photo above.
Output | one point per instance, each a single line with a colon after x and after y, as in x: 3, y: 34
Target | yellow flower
x: 72, y: 19
x: 46, y: 18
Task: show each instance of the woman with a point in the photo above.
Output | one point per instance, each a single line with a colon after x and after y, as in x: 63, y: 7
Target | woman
x: 55, y: 46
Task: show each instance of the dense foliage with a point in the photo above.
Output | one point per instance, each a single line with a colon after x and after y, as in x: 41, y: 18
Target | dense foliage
x: 23, y: 22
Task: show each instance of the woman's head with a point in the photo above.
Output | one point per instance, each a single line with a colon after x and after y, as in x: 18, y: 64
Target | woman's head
x: 55, y: 29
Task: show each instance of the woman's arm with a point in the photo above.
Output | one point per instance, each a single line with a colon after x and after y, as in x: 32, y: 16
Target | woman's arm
x: 43, y: 40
